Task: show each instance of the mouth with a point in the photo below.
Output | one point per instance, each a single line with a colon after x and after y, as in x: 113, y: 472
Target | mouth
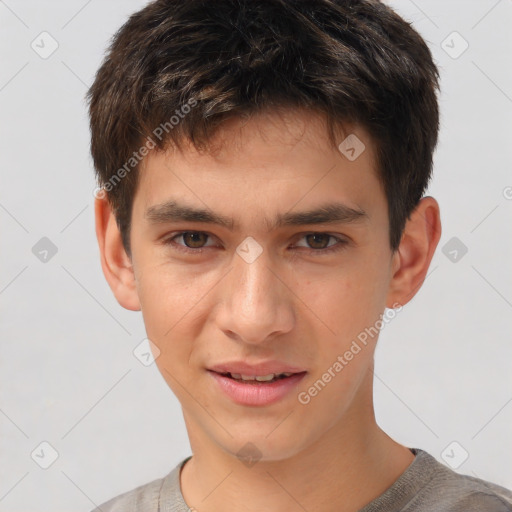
x: 256, y: 390
x: 258, y: 379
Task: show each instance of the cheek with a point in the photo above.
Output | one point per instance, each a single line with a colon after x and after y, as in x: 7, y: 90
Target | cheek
x: 175, y: 307
x: 349, y: 306
x: 168, y: 293
x: 346, y: 303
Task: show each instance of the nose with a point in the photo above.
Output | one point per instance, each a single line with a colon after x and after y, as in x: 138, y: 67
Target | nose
x: 256, y: 303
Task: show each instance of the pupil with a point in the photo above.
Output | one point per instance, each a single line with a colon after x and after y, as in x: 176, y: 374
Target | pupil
x: 187, y: 235
x: 315, y: 237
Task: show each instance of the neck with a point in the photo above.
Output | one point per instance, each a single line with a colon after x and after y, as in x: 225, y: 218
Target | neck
x: 346, y: 468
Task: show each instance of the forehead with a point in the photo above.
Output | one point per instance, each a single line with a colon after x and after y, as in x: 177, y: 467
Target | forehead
x: 285, y: 132
x: 268, y: 159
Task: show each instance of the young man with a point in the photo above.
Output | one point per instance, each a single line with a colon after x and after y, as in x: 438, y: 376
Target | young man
x: 262, y: 166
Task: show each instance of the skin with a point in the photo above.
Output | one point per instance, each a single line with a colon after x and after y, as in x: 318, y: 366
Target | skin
x: 291, y: 304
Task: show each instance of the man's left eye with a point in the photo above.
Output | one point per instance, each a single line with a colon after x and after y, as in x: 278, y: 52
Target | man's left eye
x: 320, y: 239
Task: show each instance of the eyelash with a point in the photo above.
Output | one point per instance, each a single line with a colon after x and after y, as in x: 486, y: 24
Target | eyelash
x: 317, y: 252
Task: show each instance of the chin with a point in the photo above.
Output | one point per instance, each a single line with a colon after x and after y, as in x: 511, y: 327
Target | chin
x: 261, y: 447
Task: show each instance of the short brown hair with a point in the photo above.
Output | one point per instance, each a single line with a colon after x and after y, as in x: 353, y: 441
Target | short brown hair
x: 199, y: 62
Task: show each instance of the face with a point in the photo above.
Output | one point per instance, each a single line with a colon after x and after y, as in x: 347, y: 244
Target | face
x: 272, y: 283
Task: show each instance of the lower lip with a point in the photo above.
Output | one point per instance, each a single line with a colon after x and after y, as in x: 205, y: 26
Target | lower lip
x: 262, y: 393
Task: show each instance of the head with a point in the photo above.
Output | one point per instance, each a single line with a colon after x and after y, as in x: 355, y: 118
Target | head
x: 277, y: 130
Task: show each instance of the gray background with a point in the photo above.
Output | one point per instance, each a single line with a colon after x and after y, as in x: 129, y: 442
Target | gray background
x: 67, y: 369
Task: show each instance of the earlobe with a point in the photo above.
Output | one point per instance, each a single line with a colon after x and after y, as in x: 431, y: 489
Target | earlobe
x: 116, y: 264
x: 417, y: 246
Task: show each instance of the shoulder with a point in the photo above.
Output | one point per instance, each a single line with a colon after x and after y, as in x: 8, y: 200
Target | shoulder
x: 469, y: 494
x: 145, y: 497
x: 150, y: 497
x: 455, y: 492
x: 428, y: 485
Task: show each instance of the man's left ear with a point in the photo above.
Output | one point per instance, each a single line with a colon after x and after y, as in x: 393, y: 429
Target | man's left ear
x: 412, y: 258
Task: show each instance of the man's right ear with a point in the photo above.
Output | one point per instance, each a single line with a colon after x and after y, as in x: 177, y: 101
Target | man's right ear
x: 116, y: 264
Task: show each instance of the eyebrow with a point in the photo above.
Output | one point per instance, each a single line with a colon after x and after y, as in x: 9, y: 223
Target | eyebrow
x: 330, y: 213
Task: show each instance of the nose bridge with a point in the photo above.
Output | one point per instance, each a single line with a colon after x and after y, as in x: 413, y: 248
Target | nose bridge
x: 255, y: 305
x: 253, y: 285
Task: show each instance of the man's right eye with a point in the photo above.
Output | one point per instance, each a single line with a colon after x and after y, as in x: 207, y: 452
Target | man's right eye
x: 193, y: 241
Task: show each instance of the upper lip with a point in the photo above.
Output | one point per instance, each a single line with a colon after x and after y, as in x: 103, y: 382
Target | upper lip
x: 253, y: 370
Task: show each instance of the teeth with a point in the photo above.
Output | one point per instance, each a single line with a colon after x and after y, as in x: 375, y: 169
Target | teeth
x: 262, y: 378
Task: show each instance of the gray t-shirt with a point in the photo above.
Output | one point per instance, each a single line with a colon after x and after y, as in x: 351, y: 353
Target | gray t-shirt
x: 425, y: 486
